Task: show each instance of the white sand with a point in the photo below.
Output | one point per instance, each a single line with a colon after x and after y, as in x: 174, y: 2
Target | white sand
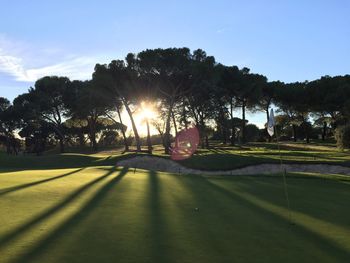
x: 166, y: 165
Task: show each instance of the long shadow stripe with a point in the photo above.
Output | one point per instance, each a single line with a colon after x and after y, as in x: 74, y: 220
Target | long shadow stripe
x: 12, y: 235
x: 341, y: 254
x: 23, y: 186
x: 157, y: 224
x: 73, y: 221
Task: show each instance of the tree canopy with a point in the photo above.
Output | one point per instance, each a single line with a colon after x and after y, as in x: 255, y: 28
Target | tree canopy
x: 188, y: 89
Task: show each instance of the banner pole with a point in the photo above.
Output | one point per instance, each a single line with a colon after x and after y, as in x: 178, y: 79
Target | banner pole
x: 283, y: 170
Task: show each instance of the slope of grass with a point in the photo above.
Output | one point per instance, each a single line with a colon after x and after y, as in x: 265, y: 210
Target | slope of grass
x: 227, y: 157
x: 216, y: 158
x: 108, y: 214
x: 57, y: 161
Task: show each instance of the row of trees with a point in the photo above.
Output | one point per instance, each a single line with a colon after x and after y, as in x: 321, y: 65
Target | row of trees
x: 188, y: 89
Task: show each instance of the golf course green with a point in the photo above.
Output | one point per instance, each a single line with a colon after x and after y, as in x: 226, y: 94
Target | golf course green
x: 105, y: 213
x: 175, y: 131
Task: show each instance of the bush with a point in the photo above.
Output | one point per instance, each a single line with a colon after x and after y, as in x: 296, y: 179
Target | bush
x: 252, y: 133
x: 342, y: 136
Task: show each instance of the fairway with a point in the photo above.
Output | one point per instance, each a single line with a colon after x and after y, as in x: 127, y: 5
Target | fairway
x: 112, y: 214
x: 175, y: 132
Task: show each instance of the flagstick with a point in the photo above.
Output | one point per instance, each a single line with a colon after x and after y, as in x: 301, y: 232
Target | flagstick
x: 284, y: 179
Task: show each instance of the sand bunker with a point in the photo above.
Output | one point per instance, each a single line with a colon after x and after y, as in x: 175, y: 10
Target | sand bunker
x: 166, y: 165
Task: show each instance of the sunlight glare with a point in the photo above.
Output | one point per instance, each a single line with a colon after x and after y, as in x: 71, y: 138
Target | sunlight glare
x: 147, y: 111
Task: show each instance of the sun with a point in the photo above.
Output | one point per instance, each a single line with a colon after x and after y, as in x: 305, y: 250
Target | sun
x: 146, y: 111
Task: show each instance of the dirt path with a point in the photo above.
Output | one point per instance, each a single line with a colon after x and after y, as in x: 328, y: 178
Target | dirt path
x: 166, y: 165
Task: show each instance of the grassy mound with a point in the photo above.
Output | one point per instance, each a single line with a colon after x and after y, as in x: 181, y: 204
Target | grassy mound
x: 218, y: 157
x: 108, y: 214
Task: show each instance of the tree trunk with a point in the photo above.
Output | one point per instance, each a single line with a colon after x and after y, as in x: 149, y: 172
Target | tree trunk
x: 81, y: 138
x: 167, y: 142
x: 202, y: 134
x: 60, y: 134
x: 162, y: 137
x: 294, y: 132
x: 137, y: 137
x: 94, y: 143
x: 184, y: 114
x: 149, y: 143
x: 8, y: 145
x: 14, y: 146
x: 233, y: 129
x: 126, y: 146
x: 243, y: 121
x: 224, y: 135
x: 92, y: 134
x: 206, y: 141
x: 174, y: 122
x: 324, y: 131
x: 61, y: 144
x: 175, y: 127
x: 37, y: 145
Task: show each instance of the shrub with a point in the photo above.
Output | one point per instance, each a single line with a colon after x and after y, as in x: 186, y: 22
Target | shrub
x: 342, y: 136
x: 252, y: 133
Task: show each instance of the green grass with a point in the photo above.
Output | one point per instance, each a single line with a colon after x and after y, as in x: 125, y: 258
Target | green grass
x: 216, y: 158
x: 227, y: 157
x: 57, y: 161
x: 108, y: 214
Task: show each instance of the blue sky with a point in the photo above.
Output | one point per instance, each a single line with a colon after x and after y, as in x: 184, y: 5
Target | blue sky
x: 284, y: 40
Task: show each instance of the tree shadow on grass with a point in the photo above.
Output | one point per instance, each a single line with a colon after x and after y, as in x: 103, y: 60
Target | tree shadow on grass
x: 23, y: 186
x: 159, y: 237
x: 338, y: 253
x: 208, y: 221
x: 224, y: 161
x: 74, y: 220
x: 5, y: 239
x: 313, y: 196
x: 290, y: 146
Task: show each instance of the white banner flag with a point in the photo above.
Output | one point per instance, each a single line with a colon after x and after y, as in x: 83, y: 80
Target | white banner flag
x: 271, y: 124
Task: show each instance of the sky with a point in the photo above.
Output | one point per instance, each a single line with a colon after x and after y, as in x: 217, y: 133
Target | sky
x: 284, y: 40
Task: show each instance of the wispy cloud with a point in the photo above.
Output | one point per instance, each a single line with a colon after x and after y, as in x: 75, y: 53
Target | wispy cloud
x: 11, y: 65
x: 76, y: 68
x: 14, y: 63
x: 222, y: 30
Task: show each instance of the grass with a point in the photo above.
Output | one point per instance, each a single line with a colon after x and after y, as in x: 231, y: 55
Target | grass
x: 109, y: 214
x: 227, y: 157
x: 58, y: 161
x: 219, y: 157
x: 80, y: 208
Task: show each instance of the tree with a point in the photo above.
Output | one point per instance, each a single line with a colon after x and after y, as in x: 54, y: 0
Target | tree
x: 168, y: 69
x: 248, y: 93
x: 77, y: 128
x: 8, y: 124
x: 240, y: 89
x: 291, y: 101
x: 252, y: 132
x: 116, y: 82
x: 201, y: 89
x: 342, y: 136
x: 31, y: 125
x: 47, y: 100
x: 227, y: 91
x: 84, y: 100
x: 330, y: 100
x: 145, y: 96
